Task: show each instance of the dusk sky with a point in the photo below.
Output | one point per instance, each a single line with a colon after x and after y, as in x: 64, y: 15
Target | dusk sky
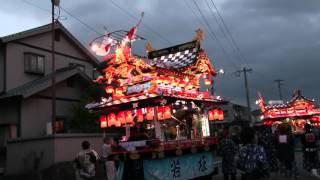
x: 278, y: 39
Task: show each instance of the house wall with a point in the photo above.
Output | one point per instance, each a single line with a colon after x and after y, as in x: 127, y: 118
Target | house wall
x: 48, y: 150
x: 36, y: 111
x: 2, y: 50
x: 41, y: 44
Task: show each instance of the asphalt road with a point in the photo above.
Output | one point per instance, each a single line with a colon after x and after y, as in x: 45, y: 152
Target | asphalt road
x: 304, y: 175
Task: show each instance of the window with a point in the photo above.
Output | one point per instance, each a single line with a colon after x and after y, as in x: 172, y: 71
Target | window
x: 80, y: 66
x: 33, y: 63
x: 226, y: 113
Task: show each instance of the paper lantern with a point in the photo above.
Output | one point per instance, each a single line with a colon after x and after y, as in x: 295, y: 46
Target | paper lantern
x: 112, y: 120
x: 167, y: 112
x: 159, y: 80
x: 149, y: 113
x: 182, y: 83
x: 207, y: 82
x: 216, y: 114
x: 221, y: 115
x: 121, y: 117
x: 129, y: 117
x: 109, y: 89
x: 166, y: 80
x: 160, y: 110
x: 174, y: 82
x: 139, y: 115
x: 103, y: 121
x: 211, y: 115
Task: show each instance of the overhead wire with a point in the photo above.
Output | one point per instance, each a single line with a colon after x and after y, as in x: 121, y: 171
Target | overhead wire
x: 80, y: 21
x: 215, y: 36
x: 144, y: 24
x: 236, y: 55
x: 228, y: 31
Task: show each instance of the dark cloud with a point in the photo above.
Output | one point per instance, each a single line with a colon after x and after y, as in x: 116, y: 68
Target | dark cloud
x: 278, y: 38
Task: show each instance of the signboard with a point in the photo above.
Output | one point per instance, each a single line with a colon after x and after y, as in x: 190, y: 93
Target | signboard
x: 138, y: 88
x: 179, y: 167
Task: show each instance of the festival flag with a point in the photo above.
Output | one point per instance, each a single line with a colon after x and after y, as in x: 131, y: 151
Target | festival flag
x: 131, y: 35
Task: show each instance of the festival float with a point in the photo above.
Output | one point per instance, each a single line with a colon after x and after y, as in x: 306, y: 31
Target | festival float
x: 297, y: 112
x: 158, y: 103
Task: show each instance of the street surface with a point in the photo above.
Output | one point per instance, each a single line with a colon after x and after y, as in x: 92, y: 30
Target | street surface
x: 304, y: 175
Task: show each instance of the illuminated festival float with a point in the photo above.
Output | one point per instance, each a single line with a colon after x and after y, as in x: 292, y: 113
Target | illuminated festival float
x: 297, y: 112
x: 158, y: 104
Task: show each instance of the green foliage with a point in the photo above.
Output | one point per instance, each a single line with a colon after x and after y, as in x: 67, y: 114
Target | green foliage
x: 82, y: 119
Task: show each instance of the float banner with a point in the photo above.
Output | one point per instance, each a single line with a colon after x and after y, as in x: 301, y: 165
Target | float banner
x: 179, y: 167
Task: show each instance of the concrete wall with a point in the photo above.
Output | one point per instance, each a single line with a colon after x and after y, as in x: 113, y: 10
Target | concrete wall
x: 47, y: 150
x: 15, y: 58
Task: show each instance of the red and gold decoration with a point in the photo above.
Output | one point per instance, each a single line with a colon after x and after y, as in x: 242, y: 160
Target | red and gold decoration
x: 298, y: 111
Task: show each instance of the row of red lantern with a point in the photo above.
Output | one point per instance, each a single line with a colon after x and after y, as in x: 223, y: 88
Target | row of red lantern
x: 215, y: 114
x: 126, y: 117
x: 267, y: 123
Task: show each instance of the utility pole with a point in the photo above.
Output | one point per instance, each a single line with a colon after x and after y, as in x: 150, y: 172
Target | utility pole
x: 245, y: 71
x: 53, y: 70
x: 279, y: 82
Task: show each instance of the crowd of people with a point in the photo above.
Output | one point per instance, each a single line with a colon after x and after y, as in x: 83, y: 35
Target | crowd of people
x: 256, y: 154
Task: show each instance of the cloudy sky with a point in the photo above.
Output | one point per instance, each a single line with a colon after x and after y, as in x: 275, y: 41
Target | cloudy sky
x: 278, y: 39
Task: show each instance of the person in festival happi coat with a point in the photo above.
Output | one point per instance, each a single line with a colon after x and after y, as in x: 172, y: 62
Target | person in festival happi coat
x: 268, y: 142
x: 108, y: 163
x: 252, y: 161
x: 310, y: 152
x: 286, y: 151
x: 85, y: 162
x: 228, y: 149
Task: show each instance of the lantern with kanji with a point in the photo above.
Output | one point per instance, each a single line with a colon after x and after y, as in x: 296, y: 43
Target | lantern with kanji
x: 149, y: 113
x: 129, y: 117
x: 139, y: 115
x: 160, y: 111
x: 112, y: 120
x: 211, y: 115
x: 103, y: 121
x: 167, y: 112
x: 121, y: 117
x: 216, y: 114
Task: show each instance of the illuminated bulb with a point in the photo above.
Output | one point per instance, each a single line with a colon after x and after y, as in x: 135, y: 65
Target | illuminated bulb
x: 94, y: 47
x: 185, y: 107
x: 257, y: 102
x: 174, y: 111
x: 221, y: 71
x: 186, y: 79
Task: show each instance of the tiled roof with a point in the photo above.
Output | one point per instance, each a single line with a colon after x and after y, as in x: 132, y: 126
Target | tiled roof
x: 42, y: 83
x: 47, y: 28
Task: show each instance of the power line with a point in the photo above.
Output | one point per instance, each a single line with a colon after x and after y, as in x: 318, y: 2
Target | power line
x: 228, y: 31
x: 224, y: 32
x: 132, y: 16
x: 279, y: 83
x: 245, y: 71
x: 83, y: 23
x: 213, y: 34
